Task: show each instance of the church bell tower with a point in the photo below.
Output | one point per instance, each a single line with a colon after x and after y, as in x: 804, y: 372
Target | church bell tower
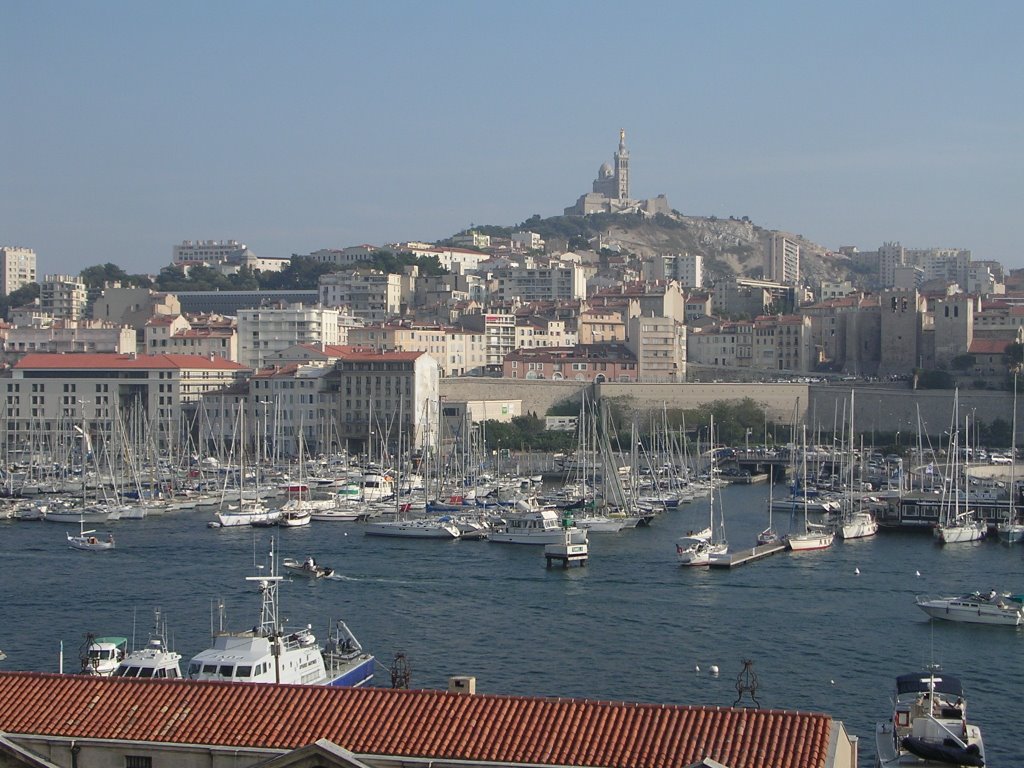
x: 622, y: 168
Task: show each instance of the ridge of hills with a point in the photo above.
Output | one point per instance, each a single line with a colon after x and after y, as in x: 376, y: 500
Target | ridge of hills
x: 731, y: 247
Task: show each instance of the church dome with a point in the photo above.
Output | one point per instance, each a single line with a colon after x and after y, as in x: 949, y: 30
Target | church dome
x: 604, y: 171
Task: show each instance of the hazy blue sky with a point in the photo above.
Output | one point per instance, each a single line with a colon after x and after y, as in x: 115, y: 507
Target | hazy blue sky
x: 128, y: 127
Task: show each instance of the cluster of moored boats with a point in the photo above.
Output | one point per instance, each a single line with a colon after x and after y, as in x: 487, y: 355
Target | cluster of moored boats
x: 269, y: 652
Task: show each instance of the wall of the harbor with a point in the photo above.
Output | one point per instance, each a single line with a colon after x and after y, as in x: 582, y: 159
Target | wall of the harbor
x: 883, y: 408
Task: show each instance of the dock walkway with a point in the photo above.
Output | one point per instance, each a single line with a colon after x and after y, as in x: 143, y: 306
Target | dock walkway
x: 744, y: 556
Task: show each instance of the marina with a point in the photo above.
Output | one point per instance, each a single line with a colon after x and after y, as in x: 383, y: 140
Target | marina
x: 483, y: 604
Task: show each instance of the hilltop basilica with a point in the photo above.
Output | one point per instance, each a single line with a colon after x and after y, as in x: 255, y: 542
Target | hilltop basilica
x: 611, y: 190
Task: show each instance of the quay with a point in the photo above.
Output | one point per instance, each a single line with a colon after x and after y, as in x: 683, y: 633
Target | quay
x: 744, y: 556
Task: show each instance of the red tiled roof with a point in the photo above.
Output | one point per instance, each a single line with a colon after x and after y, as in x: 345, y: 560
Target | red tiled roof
x: 100, y: 360
x: 989, y: 346
x: 428, y: 724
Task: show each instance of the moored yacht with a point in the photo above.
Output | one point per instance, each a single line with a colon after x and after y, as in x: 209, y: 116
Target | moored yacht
x: 101, y: 655
x: 271, y: 653
x: 542, y: 526
x: 929, y: 725
x: 155, y: 660
x: 975, y: 608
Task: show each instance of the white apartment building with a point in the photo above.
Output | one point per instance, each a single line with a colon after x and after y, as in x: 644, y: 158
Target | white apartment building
x: 17, y: 268
x: 267, y: 330
x: 458, y: 352
x: 554, y: 283
x: 49, y: 393
x: 369, y: 294
x: 207, y: 252
x: 344, y: 257
x: 890, y: 256
x: 526, y: 241
x: 63, y: 296
x: 499, y: 332
x: 460, y: 260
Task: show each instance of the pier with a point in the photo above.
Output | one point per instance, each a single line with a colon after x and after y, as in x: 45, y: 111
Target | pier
x: 744, y: 556
x: 566, y: 554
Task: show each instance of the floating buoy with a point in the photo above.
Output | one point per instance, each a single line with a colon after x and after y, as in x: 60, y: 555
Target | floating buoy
x: 833, y: 682
x: 714, y: 670
x: 856, y: 571
x: 696, y: 668
x: 917, y: 573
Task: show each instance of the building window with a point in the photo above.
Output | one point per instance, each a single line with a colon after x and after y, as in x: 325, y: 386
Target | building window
x: 138, y: 761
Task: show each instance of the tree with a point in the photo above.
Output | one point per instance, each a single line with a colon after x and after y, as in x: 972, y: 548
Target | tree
x: 19, y: 298
x: 935, y: 380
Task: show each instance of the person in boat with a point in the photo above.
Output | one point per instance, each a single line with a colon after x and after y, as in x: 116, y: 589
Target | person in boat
x: 110, y: 538
x: 310, y: 564
x: 92, y: 539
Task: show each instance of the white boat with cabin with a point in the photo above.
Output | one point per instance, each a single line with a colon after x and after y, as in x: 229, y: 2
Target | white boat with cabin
x: 541, y: 526
x: 155, y: 660
x: 975, y: 608
x: 929, y: 725
x: 271, y: 653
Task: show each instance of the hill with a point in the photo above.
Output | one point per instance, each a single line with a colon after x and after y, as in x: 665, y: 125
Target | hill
x: 731, y: 246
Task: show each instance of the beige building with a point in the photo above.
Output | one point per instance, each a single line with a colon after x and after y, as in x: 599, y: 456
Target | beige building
x: 659, y: 345
x: 133, y: 306
x: 70, y: 336
x: 553, y: 283
x: 52, y: 392
x: 601, y: 324
x: 17, y: 268
x: 499, y: 332
x: 206, y: 336
x: 457, y: 351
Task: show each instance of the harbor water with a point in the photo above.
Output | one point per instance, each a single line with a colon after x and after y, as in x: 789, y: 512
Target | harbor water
x: 826, y: 631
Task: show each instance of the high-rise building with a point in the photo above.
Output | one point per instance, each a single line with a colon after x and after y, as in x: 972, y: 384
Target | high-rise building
x: 17, y: 268
x: 63, y: 296
x: 783, y: 259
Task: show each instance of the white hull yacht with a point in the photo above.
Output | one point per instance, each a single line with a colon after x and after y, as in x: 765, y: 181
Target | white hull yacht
x: 975, y: 608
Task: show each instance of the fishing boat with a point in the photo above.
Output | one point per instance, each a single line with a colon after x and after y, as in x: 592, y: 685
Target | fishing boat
x: 272, y: 653
x: 155, y: 660
x: 975, y: 608
x: 308, y: 568
x: 929, y: 725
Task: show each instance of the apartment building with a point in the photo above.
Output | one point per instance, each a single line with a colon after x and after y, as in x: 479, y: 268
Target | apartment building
x: 499, y: 332
x: 204, y: 335
x: 49, y: 393
x: 593, y: 362
x: 369, y: 294
x: 59, y: 336
x: 457, y: 351
x: 267, y: 330
x: 17, y: 268
x: 63, y: 296
x: 553, y: 283
x: 659, y: 346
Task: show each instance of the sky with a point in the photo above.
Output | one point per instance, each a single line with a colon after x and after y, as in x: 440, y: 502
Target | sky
x: 128, y: 127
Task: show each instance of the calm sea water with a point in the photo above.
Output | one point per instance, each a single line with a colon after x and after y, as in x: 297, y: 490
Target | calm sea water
x: 631, y: 626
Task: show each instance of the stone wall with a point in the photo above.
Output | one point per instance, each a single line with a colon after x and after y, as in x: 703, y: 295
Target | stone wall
x: 881, y: 408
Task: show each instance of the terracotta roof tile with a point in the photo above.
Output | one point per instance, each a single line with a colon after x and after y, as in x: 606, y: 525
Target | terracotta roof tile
x: 427, y: 724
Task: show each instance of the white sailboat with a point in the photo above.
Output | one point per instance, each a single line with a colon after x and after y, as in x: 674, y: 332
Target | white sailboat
x: 247, y: 511
x: 813, y: 536
x: 1011, y: 531
x: 695, y: 550
x: 957, y: 522
x: 855, y: 522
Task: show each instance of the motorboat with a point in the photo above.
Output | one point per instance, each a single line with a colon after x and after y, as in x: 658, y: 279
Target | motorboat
x: 247, y: 513
x: 975, y: 608
x: 857, y: 525
x: 101, y: 655
x: 929, y: 725
x: 272, y: 653
x: 308, y: 568
x: 542, y: 526
x: 155, y: 660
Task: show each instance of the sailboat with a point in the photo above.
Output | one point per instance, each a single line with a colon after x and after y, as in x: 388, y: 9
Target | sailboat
x: 88, y: 540
x: 1012, y: 530
x: 696, y: 549
x: 813, y: 536
x: 247, y: 511
x: 855, y: 522
x: 957, y: 522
